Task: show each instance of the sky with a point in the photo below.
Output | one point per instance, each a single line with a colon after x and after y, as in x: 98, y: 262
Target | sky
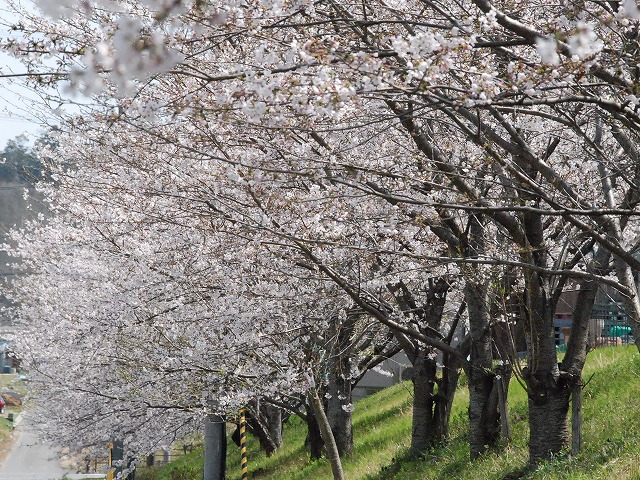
x: 15, y: 118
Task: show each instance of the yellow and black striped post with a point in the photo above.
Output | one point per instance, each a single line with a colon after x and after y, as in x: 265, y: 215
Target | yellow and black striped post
x: 243, y: 443
x: 110, y: 472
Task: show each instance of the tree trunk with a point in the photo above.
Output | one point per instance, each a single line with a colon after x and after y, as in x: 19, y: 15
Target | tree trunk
x: 273, y: 415
x: 484, y: 417
x: 339, y: 405
x: 327, y: 436
x: 447, y: 386
x: 339, y: 410
x: 549, y: 395
x: 314, y: 438
x: 423, y: 428
x: 549, y: 392
x: 259, y: 425
x: 432, y: 395
x: 576, y: 353
x: 549, y: 432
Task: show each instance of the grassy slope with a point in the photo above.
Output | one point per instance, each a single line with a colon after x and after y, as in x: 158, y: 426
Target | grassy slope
x: 9, y: 382
x: 382, y: 425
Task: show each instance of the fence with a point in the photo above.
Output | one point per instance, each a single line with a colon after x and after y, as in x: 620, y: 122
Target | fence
x: 99, y: 465
x: 609, y: 326
x: 605, y: 333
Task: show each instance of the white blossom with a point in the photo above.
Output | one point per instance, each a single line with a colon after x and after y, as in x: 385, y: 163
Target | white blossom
x: 547, y: 50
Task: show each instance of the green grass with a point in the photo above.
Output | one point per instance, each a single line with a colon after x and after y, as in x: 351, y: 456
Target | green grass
x: 10, y: 382
x: 382, y: 426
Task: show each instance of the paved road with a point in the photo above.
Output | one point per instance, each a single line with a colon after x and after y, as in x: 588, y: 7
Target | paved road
x: 29, y: 459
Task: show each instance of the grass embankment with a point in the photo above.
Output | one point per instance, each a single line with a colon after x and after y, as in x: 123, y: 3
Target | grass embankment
x: 382, y: 426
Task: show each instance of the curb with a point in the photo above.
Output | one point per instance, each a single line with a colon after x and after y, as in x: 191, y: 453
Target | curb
x: 17, y: 420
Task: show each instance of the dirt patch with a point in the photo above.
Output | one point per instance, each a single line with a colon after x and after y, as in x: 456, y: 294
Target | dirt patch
x: 13, y: 399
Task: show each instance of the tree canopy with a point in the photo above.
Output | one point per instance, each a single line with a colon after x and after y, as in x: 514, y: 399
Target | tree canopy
x: 243, y: 173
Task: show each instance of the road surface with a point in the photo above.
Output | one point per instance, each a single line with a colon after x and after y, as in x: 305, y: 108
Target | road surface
x: 29, y: 459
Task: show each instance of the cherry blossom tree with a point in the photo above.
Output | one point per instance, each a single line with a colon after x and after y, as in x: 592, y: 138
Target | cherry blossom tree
x: 342, y: 134
x: 137, y: 356
x: 147, y: 313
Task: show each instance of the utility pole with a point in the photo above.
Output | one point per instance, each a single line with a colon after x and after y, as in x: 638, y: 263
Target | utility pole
x: 117, y: 456
x: 215, y: 447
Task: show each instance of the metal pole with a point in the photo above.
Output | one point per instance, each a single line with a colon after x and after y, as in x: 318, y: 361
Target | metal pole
x: 215, y: 448
x: 117, y: 455
x: 502, y: 406
x: 110, y: 474
x: 576, y: 417
x: 243, y: 444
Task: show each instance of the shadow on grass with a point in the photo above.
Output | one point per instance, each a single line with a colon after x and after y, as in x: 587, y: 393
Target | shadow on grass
x: 375, y: 418
x: 408, y: 462
x: 519, y: 473
x: 399, y: 462
x: 274, y: 464
x: 452, y: 465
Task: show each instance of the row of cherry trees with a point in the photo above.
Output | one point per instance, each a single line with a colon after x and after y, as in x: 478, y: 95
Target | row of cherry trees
x: 258, y: 199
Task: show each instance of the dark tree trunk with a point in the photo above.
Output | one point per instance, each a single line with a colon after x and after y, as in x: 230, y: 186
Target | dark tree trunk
x: 549, y: 391
x: 339, y: 411
x: 447, y: 386
x: 577, y: 346
x: 548, y: 423
x: 264, y: 421
x: 314, y: 437
x: 432, y: 394
x: 431, y: 404
x: 339, y: 387
x: 547, y: 388
x: 549, y: 394
x: 484, y: 416
x: 576, y: 355
x: 423, y: 430
x: 273, y: 415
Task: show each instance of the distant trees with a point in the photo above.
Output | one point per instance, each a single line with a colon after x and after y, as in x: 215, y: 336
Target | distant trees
x: 26, y: 163
x: 21, y: 166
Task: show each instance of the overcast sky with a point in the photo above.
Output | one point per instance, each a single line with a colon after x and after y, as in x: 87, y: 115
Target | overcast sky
x: 14, y: 118
x: 14, y: 115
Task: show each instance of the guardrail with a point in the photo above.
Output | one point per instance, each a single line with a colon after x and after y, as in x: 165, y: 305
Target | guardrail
x: 83, y: 476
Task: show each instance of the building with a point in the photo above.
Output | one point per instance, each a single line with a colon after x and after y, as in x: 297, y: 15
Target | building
x: 608, y: 324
